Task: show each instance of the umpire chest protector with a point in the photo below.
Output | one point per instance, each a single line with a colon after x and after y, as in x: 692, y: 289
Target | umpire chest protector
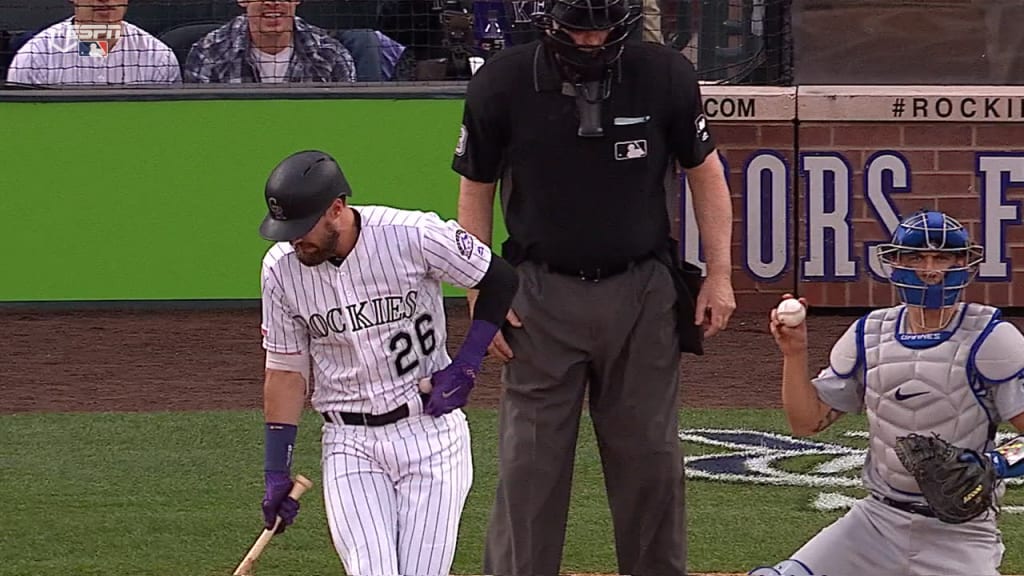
x: 938, y: 383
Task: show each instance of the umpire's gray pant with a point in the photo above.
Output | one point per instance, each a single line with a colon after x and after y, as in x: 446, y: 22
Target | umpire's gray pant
x: 619, y: 336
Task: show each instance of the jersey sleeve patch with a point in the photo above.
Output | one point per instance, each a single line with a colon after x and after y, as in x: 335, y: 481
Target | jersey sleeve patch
x: 464, y: 243
x: 460, y: 146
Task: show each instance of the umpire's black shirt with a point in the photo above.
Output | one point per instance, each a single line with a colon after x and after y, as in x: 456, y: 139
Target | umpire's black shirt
x: 577, y: 202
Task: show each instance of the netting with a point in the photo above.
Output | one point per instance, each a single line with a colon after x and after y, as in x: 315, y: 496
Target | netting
x: 216, y: 41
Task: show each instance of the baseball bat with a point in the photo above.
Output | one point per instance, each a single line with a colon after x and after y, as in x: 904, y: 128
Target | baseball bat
x: 245, y: 567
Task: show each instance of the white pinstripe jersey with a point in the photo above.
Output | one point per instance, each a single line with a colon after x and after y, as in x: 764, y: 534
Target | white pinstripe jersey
x: 52, y: 58
x: 375, y: 324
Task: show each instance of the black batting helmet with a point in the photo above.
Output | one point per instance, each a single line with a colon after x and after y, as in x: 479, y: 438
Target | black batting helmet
x: 298, y: 192
x: 618, y: 17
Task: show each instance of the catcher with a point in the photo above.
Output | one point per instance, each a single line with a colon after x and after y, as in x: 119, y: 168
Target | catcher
x: 935, y: 376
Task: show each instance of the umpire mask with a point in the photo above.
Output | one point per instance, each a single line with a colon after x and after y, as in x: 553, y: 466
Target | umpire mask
x: 591, y: 63
x: 589, y: 67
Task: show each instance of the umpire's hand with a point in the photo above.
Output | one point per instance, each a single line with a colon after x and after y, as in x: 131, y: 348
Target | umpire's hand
x: 715, y: 304
x: 499, y: 348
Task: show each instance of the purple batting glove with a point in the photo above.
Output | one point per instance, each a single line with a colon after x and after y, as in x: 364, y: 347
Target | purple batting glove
x: 451, y: 387
x: 276, y: 501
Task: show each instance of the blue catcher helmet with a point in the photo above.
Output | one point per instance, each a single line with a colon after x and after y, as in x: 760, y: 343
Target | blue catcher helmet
x: 923, y: 232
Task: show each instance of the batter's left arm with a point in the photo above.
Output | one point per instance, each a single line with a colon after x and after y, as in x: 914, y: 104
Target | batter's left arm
x: 461, y: 259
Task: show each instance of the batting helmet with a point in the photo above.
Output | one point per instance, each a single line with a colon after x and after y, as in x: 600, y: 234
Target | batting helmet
x: 298, y: 192
x: 587, y: 63
x: 930, y: 231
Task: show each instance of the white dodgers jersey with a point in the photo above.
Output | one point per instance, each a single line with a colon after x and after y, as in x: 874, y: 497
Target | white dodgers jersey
x: 959, y: 383
x: 374, y: 324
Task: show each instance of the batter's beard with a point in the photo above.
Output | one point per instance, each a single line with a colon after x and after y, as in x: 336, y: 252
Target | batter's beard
x: 323, y: 253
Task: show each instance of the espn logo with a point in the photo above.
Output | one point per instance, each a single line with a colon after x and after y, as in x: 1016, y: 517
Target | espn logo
x: 94, y: 40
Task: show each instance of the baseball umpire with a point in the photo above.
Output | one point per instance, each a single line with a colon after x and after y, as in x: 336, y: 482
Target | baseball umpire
x: 935, y: 376
x: 581, y: 127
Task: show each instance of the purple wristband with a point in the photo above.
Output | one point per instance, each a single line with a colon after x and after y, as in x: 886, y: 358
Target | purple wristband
x: 280, y: 440
x: 478, y: 338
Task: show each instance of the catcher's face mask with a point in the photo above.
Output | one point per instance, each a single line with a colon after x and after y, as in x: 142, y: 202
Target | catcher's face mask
x: 931, y: 259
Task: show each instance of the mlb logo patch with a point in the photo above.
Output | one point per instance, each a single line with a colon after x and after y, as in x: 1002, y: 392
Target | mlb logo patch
x: 630, y: 149
x: 93, y: 48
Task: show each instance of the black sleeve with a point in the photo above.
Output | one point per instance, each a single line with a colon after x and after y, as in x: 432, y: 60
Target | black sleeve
x: 482, y: 136
x: 497, y: 289
x: 691, y: 138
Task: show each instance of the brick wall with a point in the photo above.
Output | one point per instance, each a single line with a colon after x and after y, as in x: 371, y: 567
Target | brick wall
x: 939, y: 141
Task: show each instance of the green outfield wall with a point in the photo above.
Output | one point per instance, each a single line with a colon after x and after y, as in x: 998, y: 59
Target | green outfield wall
x: 160, y: 200
x: 108, y: 200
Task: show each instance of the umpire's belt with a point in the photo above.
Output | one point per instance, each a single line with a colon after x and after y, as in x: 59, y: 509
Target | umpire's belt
x: 912, y: 507
x: 593, y: 273
x: 360, y: 419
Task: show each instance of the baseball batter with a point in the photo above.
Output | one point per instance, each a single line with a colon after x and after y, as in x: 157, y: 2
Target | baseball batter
x: 352, y: 303
x: 932, y: 365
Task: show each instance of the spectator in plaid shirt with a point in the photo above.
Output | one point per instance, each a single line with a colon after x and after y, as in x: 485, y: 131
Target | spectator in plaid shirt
x: 268, y: 43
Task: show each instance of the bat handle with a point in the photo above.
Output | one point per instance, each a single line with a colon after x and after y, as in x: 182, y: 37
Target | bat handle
x: 301, y: 484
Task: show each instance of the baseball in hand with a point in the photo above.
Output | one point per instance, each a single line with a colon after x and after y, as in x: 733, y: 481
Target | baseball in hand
x: 791, y: 312
x: 426, y: 386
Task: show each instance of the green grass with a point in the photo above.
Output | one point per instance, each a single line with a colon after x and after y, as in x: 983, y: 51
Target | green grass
x: 148, y: 494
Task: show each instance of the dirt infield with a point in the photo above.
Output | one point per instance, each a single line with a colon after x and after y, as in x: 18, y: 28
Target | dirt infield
x: 172, y: 360
x: 168, y: 360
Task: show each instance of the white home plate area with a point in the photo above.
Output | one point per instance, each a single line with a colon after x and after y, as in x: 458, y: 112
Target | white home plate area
x: 756, y: 457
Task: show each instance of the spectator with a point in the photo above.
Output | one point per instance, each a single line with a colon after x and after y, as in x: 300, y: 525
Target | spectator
x: 269, y: 43
x: 391, y: 55
x: 652, y: 22
x: 71, y: 52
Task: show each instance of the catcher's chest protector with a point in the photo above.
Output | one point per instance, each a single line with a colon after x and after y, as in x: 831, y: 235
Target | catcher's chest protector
x: 922, y: 390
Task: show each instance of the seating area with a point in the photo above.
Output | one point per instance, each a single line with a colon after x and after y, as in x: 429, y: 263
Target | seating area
x: 415, y: 24
x: 730, y: 41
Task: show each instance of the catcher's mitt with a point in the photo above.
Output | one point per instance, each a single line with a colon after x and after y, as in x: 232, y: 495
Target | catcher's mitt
x: 959, y: 484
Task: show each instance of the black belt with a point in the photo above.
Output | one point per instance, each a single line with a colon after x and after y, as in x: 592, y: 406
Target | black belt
x: 912, y: 507
x: 360, y: 419
x: 592, y: 273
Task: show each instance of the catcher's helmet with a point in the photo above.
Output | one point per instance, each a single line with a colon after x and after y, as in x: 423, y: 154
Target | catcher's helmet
x: 930, y: 231
x: 587, y: 63
x: 298, y: 192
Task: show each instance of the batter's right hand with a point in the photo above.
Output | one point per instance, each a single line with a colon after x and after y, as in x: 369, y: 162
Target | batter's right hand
x: 499, y: 348
x: 276, y: 501
x: 791, y: 341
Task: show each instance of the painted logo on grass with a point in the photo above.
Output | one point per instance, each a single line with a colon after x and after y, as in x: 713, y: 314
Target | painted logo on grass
x: 756, y: 457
